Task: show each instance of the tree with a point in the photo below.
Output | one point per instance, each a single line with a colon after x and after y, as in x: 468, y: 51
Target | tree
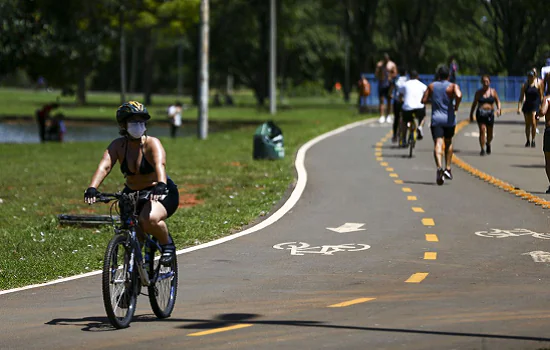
x: 515, y: 28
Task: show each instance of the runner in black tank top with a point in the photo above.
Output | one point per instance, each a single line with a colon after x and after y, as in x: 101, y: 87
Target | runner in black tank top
x: 531, y: 95
x: 484, y: 100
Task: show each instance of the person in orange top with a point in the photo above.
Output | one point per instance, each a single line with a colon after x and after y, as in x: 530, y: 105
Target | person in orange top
x: 364, y: 92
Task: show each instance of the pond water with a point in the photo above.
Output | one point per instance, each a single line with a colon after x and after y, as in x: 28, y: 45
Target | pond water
x: 28, y: 132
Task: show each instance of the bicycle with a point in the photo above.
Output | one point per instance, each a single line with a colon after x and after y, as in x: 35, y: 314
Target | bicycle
x: 126, y: 268
x: 412, y: 137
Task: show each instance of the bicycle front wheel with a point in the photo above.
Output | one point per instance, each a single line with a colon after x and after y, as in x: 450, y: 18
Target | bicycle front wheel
x: 164, y: 284
x: 119, y: 282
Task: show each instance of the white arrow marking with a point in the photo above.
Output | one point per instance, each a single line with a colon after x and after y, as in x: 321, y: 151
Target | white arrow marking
x: 539, y: 256
x: 347, y: 227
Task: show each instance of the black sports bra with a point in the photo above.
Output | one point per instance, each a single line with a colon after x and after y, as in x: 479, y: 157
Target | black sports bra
x: 483, y: 100
x: 144, y: 167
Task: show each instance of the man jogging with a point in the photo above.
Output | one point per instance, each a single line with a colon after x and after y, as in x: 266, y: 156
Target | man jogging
x: 445, y: 98
x: 386, y: 71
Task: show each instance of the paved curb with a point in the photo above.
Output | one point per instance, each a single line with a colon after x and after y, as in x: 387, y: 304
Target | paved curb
x: 495, y: 181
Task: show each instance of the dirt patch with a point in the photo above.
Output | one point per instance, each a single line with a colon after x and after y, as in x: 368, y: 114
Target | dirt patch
x: 237, y: 164
x: 188, y: 200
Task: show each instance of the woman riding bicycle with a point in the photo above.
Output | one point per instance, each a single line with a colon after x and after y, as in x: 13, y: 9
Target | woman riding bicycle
x: 142, y: 162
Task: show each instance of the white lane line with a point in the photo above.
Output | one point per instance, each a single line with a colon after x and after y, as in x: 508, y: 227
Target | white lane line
x: 292, y: 200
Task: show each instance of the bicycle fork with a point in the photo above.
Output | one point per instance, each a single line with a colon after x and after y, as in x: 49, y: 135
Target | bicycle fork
x: 138, y: 262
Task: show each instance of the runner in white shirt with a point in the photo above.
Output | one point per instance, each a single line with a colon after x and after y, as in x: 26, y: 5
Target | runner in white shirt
x: 397, y: 104
x: 411, y: 93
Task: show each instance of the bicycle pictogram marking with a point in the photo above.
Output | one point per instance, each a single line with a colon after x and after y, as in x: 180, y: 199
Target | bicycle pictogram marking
x: 516, y: 232
x: 301, y: 248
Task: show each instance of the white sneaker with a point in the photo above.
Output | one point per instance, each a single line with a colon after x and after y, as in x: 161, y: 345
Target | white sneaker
x: 537, y: 130
x: 389, y: 119
x: 381, y: 119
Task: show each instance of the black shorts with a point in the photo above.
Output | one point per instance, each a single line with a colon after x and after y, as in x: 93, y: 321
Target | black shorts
x: 485, y: 116
x: 384, y: 91
x: 446, y: 132
x: 530, y: 106
x: 419, y: 113
x: 170, y: 202
x: 546, y: 145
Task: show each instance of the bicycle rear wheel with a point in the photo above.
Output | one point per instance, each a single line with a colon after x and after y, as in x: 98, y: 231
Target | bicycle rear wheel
x: 120, y: 286
x: 164, y: 284
x: 412, y: 142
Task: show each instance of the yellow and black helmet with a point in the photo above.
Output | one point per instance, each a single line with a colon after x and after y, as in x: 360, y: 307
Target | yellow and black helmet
x: 130, y: 108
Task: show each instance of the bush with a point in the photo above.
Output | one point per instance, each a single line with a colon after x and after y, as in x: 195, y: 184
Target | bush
x: 307, y: 89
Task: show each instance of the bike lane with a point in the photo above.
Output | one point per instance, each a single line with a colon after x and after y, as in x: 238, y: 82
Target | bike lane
x: 473, y: 290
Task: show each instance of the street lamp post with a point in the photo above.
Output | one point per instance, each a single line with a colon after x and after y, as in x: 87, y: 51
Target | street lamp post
x: 203, y: 74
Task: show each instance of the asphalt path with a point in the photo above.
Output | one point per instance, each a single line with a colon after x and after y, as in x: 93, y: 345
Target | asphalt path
x: 458, y: 266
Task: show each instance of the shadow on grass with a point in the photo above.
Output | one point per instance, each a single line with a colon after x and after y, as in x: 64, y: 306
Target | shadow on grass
x: 226, y: 320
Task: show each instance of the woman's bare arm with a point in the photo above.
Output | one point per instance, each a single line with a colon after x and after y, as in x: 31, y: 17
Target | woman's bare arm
x: 497, y: 101
x: 521, y: 97
x: 474, y: 105
x: 105, y: 165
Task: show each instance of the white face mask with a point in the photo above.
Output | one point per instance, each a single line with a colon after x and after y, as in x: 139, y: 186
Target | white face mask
x: 136, y: 130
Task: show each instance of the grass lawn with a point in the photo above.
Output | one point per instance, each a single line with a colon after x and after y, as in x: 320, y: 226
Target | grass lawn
x: 222, y: 189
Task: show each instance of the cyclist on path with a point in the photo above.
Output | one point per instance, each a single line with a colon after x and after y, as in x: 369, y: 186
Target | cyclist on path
x: 412, y: 92
x: 398, y: 104
x: 445, y: 98
x: 142, y: 162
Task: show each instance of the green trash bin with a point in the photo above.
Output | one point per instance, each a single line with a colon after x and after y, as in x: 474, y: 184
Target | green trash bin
x: 268, y: 142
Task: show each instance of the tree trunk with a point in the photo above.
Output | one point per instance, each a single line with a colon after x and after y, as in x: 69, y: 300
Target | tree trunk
x: 81, y: 87
x: 148, y: 68
x: 134, y: 66
x: 262, y: 64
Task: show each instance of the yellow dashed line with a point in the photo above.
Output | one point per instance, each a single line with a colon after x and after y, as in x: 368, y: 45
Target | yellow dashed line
x: 411, y: 198
x: 417, y: 277
x: 406, y: 189
x: 430, y: 256
x: 394, y: 175
x: 218, y: 330
x: 417, y: 210
x: 399, y: 182
x: 430, y: 237
x: 389, y: 169
x: 497, y: 182
x: 384, y: 164
x: 379, y: 158
x: 428, y: 222
x: 352, y: 302
x: 378, y: 154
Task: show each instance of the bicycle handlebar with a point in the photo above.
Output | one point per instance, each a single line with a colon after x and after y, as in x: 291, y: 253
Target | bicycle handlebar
x: 106, y: 197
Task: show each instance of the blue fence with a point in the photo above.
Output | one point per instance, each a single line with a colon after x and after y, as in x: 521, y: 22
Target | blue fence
x: 508, y: 88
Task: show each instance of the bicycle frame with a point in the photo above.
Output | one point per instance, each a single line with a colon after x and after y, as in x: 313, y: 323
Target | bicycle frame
x: 128, y: 228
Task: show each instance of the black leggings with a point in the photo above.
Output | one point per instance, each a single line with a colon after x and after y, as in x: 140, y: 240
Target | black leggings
x: 397, y: 106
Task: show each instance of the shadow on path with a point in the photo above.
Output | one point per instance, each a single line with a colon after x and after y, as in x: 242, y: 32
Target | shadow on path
x: 225, y: 320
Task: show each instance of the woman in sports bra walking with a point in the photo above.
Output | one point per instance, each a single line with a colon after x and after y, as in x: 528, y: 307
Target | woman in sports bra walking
x: 484, y: 100
x: 531, y: 96
x: 142, y: 162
